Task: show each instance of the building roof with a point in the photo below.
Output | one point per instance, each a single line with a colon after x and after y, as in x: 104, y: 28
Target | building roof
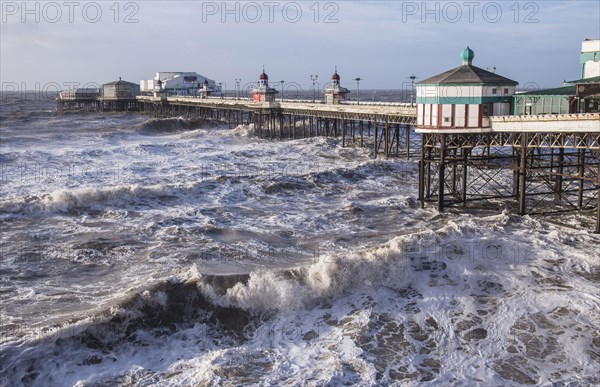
x: 335, y: 76
x: 119, y: 82
x: 565, y: 90
x: 468, y: 74
x: 586, y: 80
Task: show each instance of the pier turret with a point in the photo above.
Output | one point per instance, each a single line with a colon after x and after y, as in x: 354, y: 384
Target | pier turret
x: 263, y: 93
x: 334, y: 94
x: 463, y: 99
x: 158, y: 89
x: 204, y: 90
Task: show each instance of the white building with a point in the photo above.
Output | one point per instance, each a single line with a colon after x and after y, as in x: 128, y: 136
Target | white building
x: 463, y: 98
x: 177, y: 83
x: 590, y: 58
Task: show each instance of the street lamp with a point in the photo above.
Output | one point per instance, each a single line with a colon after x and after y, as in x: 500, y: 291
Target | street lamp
x: 237, y: 87
x: 412, y: 89
x: 221, y: 89
x: 314, y: 78
x: 282, y: 82
x: 357, y: 88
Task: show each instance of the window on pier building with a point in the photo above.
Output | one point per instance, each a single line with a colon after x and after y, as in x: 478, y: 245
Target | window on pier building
x: 494, y: 91
x: 506, y: 91
x: 487, y: 109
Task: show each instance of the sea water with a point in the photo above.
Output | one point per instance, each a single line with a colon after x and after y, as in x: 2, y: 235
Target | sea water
x: 142, y: 251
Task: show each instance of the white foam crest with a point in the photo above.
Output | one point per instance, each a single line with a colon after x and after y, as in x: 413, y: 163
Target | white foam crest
x: 194, y: 133
x: 273, y: 291
x: 239, y: 131
x: 65, y: 200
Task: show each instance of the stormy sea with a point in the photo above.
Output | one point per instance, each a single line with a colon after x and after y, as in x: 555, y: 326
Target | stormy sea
x: 168, y: 252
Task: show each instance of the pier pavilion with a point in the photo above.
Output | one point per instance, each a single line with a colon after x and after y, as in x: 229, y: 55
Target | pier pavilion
x: 544, y: 163
x: 118, y: 96
x: 464, y: 97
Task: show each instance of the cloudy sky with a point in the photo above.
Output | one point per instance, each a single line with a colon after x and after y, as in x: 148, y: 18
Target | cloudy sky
x: 383, y: 42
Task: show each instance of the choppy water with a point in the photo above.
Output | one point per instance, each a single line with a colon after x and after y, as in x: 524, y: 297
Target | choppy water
x: 138, y: 251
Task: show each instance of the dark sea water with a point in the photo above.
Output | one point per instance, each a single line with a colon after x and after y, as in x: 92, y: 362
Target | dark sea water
x: 140, y: 251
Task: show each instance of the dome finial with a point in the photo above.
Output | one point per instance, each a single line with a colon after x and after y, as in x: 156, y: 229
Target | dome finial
x: 335, y: 77
x: 467, y: 56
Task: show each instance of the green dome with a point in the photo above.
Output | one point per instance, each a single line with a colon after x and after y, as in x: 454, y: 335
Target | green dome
x: 467, y: 55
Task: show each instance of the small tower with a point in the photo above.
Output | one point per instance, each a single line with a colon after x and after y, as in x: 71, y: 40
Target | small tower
x: 204, y: 91
x: 334, y: 94
x: 463, y: 99
x: 158, y: 89
x: 263, y: 93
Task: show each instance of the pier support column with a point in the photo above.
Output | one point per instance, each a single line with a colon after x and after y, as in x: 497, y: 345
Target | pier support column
x: 523, y: 173
x: 442, y: 173
x: 422, y: 173
x: 558, y: 182
x: 375, y: 138
x: 515, y: 168
x: 397, y: 135
x: 407, y: 138
x: 386, y: 137
x: 428, y: 176
x: 281, y: 123
x: 581, y: 173
x: 362, y: 128
x: 598, y: 201
x: 465, y: 157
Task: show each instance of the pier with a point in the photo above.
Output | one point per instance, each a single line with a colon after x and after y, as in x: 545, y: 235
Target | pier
x: 470, y: 146
x: 539, y: 164
x: 387, y: 128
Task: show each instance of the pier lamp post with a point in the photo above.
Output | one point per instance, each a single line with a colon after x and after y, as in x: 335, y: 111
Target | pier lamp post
x: 282, y: 82
x: 412, y: 90
x: 357, y: 88
x: 221, y: 89
x: 237, y: 87
x: 314, y: 78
